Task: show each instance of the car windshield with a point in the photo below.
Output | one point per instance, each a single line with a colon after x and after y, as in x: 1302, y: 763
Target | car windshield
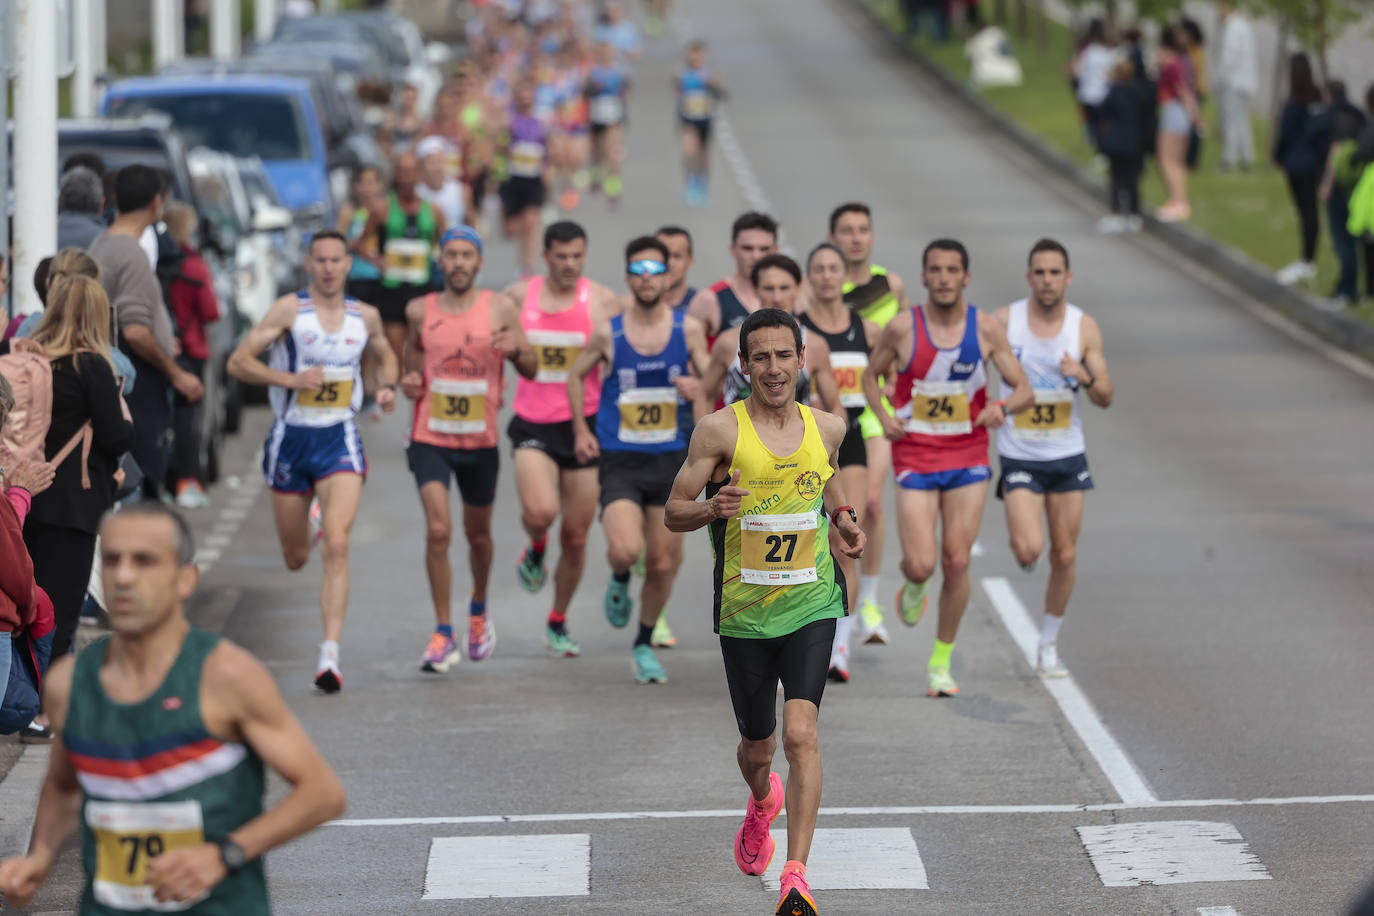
x: 269, y: 126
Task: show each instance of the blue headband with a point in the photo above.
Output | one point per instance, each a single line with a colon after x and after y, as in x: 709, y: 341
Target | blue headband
x: 462, y: 233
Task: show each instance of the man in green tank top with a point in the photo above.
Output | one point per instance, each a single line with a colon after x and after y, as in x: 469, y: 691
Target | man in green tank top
x: 162, y: 732
x: 778, y: 591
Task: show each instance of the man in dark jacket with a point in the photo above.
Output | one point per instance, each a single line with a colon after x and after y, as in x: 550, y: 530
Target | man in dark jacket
x: 80, y: 201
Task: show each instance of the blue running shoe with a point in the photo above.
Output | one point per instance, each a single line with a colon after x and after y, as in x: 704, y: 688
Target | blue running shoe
x: 617, y: 603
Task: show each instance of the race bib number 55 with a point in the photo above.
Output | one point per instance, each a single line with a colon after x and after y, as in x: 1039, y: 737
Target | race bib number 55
x: 129, y: 835
x: 778, y: 549
x: 556, y: 352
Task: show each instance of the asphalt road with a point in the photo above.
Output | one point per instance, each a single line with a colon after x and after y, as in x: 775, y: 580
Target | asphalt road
x: 1221, y: 624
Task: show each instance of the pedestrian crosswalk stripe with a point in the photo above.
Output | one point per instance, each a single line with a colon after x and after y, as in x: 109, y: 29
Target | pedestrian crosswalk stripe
x: 852, y: 859
x: 1170, y: 852
x: 475, y: 867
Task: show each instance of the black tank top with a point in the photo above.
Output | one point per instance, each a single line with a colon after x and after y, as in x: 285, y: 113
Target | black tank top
x: 853, y: 340
x: 732, y: 311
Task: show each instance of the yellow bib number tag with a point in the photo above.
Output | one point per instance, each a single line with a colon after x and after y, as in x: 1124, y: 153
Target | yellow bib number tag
x: 778, y: 549
x: 129, y: 835
x: 607, y: 109
x: 526, y: 159
x: 648, y: 415
x: 407, y: 260
x: 697, y: 104
x: 457, y: 407
x: 939, y: 409
x: 334, y: 396
x: 1047, y: 418
x: 557, y: 351
x: 848, y: 369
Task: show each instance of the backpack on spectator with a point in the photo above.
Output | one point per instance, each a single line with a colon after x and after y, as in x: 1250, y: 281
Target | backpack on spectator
x: 25, y: 435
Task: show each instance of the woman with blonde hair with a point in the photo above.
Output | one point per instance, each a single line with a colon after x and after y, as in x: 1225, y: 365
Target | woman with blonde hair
x: 74, y: 335
x: 69, y: 262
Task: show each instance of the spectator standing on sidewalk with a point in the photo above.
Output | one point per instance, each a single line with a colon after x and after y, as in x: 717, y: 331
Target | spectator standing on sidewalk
x: 194, y: 305
x: 80, y: 201
x: 1121, y: 140
x: 1194, y: 45
x: 145, y: 326
x: 16, y: 568
x: 1178, y: 118
x: 1236, y: 83
x: 1092, y: 70
x: 1342, y: 174
x: 1300, y: 149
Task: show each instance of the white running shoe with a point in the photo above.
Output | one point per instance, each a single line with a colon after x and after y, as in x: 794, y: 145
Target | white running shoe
x: 872, y: 630
x: 1047, y: 663
x: 1111, y: 225
x: 839, y: 665
x: 1295, y: 273
x: 327, y: 676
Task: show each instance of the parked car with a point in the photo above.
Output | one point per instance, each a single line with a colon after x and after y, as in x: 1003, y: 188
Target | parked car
x: 273, y: 221
x: 405, y: 57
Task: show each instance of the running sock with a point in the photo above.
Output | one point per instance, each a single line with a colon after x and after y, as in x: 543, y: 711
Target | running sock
x: 477, y: 608
x: 621, y: 577
x: 646, y: 635
x: 445, y: 630
x: 556, y: 622
x: 842, y: 628
x: 940, y: 655
x: 1049, y: 629
x: 537, y: 548
x: 868, y: 589
x: 765, y: 803
x: 329, y: 654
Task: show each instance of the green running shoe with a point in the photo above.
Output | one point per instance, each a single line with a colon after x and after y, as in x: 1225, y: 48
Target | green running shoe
x: 912, y: 601
x: 871, y: 628
x: 663, y: 637
x: 647, y: 668
x: 561, y: 645
x: 530, y: 573
x: 941, y: 684
x: 617, y: 603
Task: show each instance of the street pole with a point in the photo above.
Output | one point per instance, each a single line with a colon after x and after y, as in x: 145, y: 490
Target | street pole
x: 35, y: 146
x: 83, y: 52
x: 168, y: 32
x: 100, y: 55
x: 264, y: 19
x: 224, y: 29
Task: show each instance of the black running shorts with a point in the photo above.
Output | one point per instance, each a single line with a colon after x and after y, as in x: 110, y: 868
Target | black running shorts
x: 553, y: 439
x: 645, y: 479
x: 753, y: 668
x: 475, y: 469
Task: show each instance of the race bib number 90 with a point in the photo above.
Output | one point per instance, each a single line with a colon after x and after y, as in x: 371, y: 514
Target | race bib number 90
x: 556, y: 352
x: 848, y: 369
x: 457, y: 407
x: 1047, y: 418
x: 648, y: 415
x: 778, y: 549
x: 129, y: 835
x: 939, y: 409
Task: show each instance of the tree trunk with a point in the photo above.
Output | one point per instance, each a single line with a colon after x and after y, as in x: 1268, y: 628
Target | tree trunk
x: 1022, y: 19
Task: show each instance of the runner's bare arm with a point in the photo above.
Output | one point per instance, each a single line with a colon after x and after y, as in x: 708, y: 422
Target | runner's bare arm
x: 832, y: 430
x: 412, y: 378
x: 59, y: 801
x: 605, y: 304
x: 818, y: 361
x: 698, y: 358
x: 898, y: 287
x: 872, y: 331
x: 705, y: 308
x: 517, y: 290
x: 240, y: 700
x: 598, y: 349
x: 1003, y: 316
x: 882, y: 363
x: 510, y: 336
x: 713, y: 379
x: 992, y: 337
x: 387, y: 370
x: 713, y: 442
x: 245, y: 363
x: 1091, y: 371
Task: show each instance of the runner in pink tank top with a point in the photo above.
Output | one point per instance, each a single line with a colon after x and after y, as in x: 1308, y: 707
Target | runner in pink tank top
x: 558, y: 338
x: 457, y: 343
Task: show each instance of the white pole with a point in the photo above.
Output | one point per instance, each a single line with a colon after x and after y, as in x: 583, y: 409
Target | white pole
x: 35, y: 146
x: 264, y: 19
x: 224, y: 29
x: 100, y: 55
x: 164, y: 52
x: 83, y: 50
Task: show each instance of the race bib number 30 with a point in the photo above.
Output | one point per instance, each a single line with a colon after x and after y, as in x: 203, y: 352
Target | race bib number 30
x: 457, y: 407
x: 648, y: 415
x: 939, y: 409
x: 848, y: 369
x: 557, y: 351
x: 129, y: 835
x: 334, y: 396
x: 778, y: 549
x: 1047, y: 418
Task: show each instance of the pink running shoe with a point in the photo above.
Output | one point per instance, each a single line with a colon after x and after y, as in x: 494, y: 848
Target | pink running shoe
x: 796, y: 899
x: 753, y: 843
x: 481, y: 637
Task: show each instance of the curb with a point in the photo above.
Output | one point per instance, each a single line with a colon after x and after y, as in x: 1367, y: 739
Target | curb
x: 1239, y: 269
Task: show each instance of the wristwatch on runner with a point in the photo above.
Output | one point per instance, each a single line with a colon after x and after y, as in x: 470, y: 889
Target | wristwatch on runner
x: 835, y: 516
x: 231, y: 855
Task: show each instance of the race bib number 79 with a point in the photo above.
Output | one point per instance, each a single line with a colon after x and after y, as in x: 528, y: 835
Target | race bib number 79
x: 129, y: 835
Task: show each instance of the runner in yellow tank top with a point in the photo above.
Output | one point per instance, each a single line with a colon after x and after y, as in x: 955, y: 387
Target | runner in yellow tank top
x: 769, y: 464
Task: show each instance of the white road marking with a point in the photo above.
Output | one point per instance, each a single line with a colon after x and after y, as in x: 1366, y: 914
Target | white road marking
x: 888, y: 811
x: 476, y: 867
x: 1217, y: 911
x: 852, y: 859
x: 1170, y: 852
x: 1073, y: 702
x: 19, y: 799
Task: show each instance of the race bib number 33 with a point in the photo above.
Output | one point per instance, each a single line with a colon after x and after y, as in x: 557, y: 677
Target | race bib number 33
x: 457, y: 407
x: 129, y: 835
x: 1047, y: 418
x: 778, y: 549
x: 556, y: 351
x: 648, y: 415
x: 940, y: 409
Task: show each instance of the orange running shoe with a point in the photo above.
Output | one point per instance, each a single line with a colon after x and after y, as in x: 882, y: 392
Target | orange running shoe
x: 796, y: 899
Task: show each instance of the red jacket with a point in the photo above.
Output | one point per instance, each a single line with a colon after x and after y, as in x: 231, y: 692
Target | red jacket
x: 194, y: 304
x: 17, y: 598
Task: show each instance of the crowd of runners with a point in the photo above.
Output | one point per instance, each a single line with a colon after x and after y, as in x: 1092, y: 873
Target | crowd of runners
x: 797, y: 398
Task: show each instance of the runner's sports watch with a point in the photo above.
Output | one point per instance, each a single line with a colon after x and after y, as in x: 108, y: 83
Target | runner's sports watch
x: 853, y: 516
x: 232, y: 856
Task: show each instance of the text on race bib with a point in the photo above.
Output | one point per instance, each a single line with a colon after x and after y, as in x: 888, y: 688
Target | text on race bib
x: 407, y: 260
x: 848, y: 369
x: 778, y: 549
x: 1047, y: 418
x: 556, y: 351
x: 335, y: 395
x: 607, y: 109
x: 697, y: 104
x: 939, y: 409
x: 457, y: 407
x: 129, y: 835
x: 648, y: 415
x: 526, y: 158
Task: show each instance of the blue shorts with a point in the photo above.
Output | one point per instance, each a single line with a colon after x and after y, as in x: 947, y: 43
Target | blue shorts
x: 944, y: 480
x: 1062, y: 476
x: 296, y: 457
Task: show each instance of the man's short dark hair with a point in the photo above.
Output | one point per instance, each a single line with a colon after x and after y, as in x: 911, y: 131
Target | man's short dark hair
x: 852, y: 207
x: 562, y: 232
x: 678, y: 231
x: 766, y: 318
x: 325, y: 235
x: 136, y: 187
x: 946, y: 245
x: 774, y: 261
x: 90, y: 161
x: 1048, y: 245
x: 753, y: 220
x: 152, y: 508
x: 80, y: 191
x: 645, y: 243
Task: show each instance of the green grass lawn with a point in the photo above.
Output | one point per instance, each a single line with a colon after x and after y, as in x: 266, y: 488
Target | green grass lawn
x: 1250, y: 211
